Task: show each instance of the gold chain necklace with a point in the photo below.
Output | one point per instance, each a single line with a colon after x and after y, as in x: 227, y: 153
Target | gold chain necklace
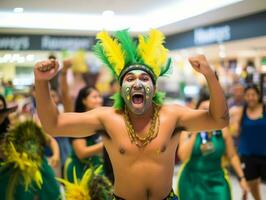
x: 152, y: 133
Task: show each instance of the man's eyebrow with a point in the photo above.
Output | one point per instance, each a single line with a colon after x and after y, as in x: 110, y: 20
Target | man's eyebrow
x: 128, y: 74
x: 144, y: 74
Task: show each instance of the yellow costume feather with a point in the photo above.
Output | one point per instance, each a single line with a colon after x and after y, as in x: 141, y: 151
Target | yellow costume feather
x: 79, y: 190
x: 113, y: 51
x: 30, y: 169
x: 152, y: 51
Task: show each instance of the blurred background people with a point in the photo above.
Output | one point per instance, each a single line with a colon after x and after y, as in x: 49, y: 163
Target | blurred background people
x: 86, y: 151
x: 202, y: 175
x: 250, y: 122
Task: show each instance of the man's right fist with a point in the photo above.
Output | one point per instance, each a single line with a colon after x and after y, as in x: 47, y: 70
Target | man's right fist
x: 46, y: 70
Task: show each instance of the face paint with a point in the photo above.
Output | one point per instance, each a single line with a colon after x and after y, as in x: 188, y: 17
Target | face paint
x: 137, y: 91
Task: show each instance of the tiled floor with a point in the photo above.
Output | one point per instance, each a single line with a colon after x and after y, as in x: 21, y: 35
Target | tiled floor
x: 235, y: 188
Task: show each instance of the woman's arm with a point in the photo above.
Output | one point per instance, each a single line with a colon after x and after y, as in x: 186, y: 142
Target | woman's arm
x: 66, y: 99
x: 186, y: 144
x: 234, y: 160
x: 235, y: 117
x: 83, y: 151
x: 55, y: 158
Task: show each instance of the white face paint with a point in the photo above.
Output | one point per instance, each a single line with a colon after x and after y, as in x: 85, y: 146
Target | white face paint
x: 137, y: 91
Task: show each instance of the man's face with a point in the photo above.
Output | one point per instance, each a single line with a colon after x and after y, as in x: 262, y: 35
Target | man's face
x: 137, y: 91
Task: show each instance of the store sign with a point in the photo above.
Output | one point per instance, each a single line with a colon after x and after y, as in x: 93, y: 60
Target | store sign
x: 212, y: 34
x: 39, y: 42
x: 55, y: 43
x: 15, y: 43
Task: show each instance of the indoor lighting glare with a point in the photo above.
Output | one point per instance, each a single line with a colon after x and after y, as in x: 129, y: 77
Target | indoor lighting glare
x: 16, y: 58
x: 30, y: 57
x: 138, y: 23
x: 191, y: 90
x: 108, y: 13
x: 222, y: 54
x: 18, y: 10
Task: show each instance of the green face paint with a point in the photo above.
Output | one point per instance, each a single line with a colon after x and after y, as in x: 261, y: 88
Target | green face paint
x: 137, y: 91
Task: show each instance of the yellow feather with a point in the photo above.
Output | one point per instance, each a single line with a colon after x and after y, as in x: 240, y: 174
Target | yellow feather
x: 113, y: 51
x: 152, y: 50
x: 29, y: 169
x: 79, y: 190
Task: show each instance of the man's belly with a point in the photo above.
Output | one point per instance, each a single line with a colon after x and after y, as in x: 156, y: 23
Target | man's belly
x: 143, y: 181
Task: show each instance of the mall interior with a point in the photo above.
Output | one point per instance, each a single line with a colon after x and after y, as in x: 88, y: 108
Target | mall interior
x: 231, y: 34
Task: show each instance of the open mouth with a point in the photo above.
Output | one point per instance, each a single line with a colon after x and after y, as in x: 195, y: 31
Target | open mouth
x: 137, y: 98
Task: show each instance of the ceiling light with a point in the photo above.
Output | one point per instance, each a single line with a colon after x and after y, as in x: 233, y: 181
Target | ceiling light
x: 91, y: 22
x: 18, y: 10
x: 108, y: 13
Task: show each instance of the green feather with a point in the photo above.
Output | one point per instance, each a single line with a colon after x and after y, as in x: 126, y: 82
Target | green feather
x: 159, y: 97
x: 99, y: 52
x: 128, y: 45
x: 168, y: 69
x: 27, y: 137
x: 119, y: 102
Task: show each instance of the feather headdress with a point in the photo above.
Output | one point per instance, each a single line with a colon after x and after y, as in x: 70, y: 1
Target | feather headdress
x: 122, y: 54
x: 23, y: 149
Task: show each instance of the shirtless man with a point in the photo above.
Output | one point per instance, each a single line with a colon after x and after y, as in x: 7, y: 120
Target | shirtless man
x: 140, y: 141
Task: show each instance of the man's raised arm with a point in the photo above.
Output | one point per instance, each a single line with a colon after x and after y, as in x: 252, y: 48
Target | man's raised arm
x: 217, y: 116
x: 65, y: 124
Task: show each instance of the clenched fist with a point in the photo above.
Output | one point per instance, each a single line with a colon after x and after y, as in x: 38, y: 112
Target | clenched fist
x: 201, y: 65
x: 46, y: 70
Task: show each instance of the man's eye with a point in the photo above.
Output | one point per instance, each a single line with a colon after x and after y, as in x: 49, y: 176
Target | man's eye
x: 130, y: 79
x: 145, y: 79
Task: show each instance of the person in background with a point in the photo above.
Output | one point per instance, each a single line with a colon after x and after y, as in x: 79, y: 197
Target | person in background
x: 4, y: 120
x: 250, y: 122
x: 86, y: 150
x: 202, y: 175
x: 189, y: 102
x: 52, y: 147
x: 237, y: 98
x: 113, y: 88
x: 24, y: 170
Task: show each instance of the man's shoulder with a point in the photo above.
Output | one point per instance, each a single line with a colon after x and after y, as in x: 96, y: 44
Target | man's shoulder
x: 173, y: 107
x: 174, y: 110
x: 107, y: 111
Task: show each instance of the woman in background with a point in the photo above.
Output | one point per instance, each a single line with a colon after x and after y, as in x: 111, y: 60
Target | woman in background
x: 86, y: 151
x: 250, y: 122
x: 202, y: 175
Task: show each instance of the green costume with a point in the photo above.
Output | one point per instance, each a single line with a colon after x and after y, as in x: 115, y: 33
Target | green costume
x: 24, y: 172
x: 82, y: 165
x: 202, y: 177
x: 49, y: 190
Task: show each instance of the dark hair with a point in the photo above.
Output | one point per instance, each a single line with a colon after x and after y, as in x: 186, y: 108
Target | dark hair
x: 83, y: 93
x: 5, y: 124
x: 51, y: 56
x: 254, y: 87
x: 203, y: 97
